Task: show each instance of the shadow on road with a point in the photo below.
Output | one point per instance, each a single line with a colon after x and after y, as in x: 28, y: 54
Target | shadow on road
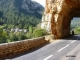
x: 73, y: 37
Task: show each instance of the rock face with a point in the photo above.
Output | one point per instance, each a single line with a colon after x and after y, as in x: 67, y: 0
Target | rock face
x: 58, y: 15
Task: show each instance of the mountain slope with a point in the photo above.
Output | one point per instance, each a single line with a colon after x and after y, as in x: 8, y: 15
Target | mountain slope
x: 20, y: 12
x: 75, y: 22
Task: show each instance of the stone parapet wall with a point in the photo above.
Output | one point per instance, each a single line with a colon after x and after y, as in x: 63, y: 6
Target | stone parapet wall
x: 18, y: 47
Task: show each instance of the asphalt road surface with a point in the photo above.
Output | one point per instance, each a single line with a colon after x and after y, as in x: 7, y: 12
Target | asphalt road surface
x: 64, y: 49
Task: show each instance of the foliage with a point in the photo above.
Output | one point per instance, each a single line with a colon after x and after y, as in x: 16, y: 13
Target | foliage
x: 29, y: 35
x: 77, y: 30
x: 39, y: 32
x: 23, y: 14
x: 21, y: 36
x: 6, y: 36
x: 75, y: 25
x: 3, y: 36
x: 30, y: 29
x: 13, y: 13
x: 13, y: 37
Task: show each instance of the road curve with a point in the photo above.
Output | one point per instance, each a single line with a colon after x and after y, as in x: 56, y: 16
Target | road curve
x: 65, y: 49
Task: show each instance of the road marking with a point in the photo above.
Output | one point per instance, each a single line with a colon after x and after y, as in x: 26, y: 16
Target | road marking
x: 48, y: 57
x: 73, y: 41
x: 63, y: 48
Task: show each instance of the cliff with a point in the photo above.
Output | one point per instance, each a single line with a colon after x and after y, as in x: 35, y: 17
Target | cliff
x: 58, y: 15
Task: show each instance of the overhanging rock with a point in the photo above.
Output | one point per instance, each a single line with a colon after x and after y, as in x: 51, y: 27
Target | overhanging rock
x: 58, y: 15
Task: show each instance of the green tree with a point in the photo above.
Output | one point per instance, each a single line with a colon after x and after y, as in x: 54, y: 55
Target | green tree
x: 30, y: 29
x: 39, y: 32
x: 21, y: 36
x: 29, y: 35
x: 3, y: 36
x: 13, y: 37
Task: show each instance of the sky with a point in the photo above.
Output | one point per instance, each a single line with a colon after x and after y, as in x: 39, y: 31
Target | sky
x: 42, y: 2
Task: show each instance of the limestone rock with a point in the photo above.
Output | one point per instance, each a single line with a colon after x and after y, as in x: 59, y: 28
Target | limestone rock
x: 58, y: 15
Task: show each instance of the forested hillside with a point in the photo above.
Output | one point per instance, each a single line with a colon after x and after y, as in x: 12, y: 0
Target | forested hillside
x: 20, y: 13
x: 75, y: 25
x: 19, y: 20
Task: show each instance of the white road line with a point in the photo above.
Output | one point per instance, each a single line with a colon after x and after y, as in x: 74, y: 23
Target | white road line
x: 73, y: 41
x: 63, y: 48
x: 48, y: 57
